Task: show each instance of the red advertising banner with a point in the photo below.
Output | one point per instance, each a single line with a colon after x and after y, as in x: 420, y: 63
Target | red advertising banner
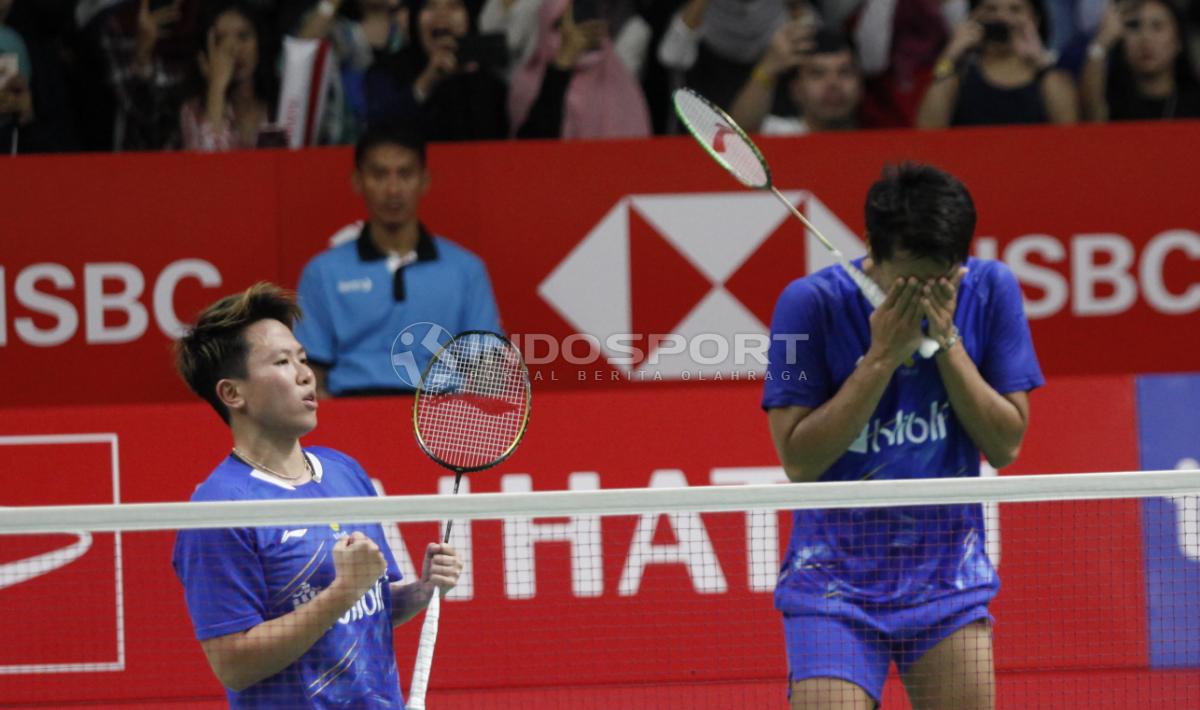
x: 613, y: 262
x: 105, y: 620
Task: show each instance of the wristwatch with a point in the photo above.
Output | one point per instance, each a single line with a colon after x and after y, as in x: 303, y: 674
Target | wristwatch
x: 950, y: 340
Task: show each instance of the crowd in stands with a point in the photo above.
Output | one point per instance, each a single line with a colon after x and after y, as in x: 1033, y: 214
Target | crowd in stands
x: 205, y: 75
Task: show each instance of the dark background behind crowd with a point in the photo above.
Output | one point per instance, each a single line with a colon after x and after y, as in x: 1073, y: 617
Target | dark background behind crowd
x: 104, y: 75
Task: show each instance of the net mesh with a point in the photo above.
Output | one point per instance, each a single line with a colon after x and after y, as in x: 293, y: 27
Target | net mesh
x: 716, y: 132
x: 473, y: 402
x: 654, y: 598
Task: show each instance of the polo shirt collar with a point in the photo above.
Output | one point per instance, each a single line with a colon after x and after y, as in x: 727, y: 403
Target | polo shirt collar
x: 368, y: 250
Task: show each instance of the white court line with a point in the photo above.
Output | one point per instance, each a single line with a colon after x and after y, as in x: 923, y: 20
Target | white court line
x: 118, y: 665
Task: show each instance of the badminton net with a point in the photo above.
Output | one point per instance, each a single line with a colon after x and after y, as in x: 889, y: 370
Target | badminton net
x: 650, y: 598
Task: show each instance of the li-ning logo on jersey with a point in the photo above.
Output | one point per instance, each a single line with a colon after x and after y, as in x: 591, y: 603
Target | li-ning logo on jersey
x: 904, y: 428
x: 290, y: 534
x: 370, y: 604
x: 352, y: 285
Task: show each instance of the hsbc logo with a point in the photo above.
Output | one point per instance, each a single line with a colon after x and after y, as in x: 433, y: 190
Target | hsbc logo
x: 712, y: 249
x: 678, y: 286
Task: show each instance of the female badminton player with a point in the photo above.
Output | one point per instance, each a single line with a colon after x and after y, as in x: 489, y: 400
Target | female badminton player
x: 288, y: 616
x: 862, y: 588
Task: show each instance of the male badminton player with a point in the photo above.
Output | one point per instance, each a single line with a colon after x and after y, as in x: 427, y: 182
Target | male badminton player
x: 288, y: 616
x: 865, y: 587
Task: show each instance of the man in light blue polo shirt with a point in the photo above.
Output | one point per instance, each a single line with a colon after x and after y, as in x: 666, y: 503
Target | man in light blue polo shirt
x: 378, y: 305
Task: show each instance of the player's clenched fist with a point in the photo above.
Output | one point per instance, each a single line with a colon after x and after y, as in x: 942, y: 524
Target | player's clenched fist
x: 358, y: 562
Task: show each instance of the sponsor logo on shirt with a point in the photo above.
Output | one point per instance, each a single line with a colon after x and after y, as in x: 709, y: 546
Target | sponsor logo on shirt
x: 362, y: 285
x: 290, y: 534
x: 303, y: 594
x: 370, y: 604
x: 903, y: 428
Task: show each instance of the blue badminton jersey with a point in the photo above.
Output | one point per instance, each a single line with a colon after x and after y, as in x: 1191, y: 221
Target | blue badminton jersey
x: 237, y: 578
x: 898, y: 556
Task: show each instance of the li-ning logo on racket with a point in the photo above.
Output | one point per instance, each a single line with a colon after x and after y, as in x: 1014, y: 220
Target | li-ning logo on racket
x: 413, y: 347
x: 718, y: 141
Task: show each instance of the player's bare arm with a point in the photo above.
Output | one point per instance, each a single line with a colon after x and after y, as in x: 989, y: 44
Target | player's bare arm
x: 808, y: 440
x: 995, y: 422
x: 240, y: 660
x: 440, y: 571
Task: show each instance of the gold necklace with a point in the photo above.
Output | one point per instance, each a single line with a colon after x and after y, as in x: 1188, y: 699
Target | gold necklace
x: 307, y: 466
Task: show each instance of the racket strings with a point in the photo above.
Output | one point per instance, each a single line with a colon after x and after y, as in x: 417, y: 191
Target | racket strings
x: 723, y: 139
x: 473, y: 404
x: 453, y: 434
x: 456, y: 433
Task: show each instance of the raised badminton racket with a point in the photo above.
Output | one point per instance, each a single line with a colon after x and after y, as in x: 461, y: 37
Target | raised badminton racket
x: 724, y: 140
x: 470, y: 412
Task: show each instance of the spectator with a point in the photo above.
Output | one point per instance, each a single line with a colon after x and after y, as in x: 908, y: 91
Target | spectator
x: 1072, y: 24
x: 394, y: 278
x: 361, y: 32
x: 148, y: 55
x: 1138, y: 66
x: 995, y: 70
x: 826, y: 89
x: 517, y: 20
x: 716, y: 43
x: 427, y: 88
x: 16, y: 70
x: 657, y: 80
x: 898, y: 44
x: 574, y: 85
x: 35, y: 109
x: 239, y: 88
x: 820, y: 73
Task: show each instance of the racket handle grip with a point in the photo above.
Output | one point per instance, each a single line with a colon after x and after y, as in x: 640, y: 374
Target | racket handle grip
x: 870, y: 289
x: 424, y: 660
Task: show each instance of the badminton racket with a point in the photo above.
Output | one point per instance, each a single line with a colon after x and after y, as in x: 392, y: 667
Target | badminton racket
x: 724, y: 140
x: 470, y: 412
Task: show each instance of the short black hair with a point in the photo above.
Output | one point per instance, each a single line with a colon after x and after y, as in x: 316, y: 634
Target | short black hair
x: 829, y: 42
x: 390, y: 134
x: 215, y: 348
x: 922, y: 210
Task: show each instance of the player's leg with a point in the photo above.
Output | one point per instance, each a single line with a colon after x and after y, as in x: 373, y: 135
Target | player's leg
x: 834, y: 663
x: 957, y: 673
x: 829, y: 694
